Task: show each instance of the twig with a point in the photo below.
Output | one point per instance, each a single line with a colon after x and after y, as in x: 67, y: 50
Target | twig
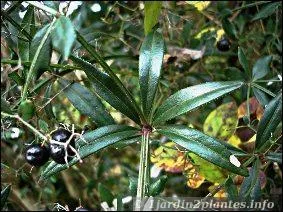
x: 35, y: 131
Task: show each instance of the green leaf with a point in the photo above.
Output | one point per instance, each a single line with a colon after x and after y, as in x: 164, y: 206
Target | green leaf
x: 4, y: 195
x: 150, y: 62
x: 243, y: 61
x: 234, y: 150
x: 229, y: 28
x: 129, y: 98
x: 27, y: 23
x: 105, y: 194
x: 231, y: 189
x: 17, y: 78
x: 261, y: 96
x: 222, y: 122
x: 233, y: 73
x: 44, y: 57
x: 250, y: 188
x: 151, y: 13
x: 192, y: 97
x: 267, y: 11
x: 261, y: 67
x: 107, y: 89
x: 270, y: 120
x: 133, y: 185
x: 202, y: 145
x: 87, y: 103
x: 158, y: 186
x: 5, y: 107
x: 97, y: 139
x: 63, y: 36
x: 274, y: 156
x: 43, y: 126
x: 48, y: 107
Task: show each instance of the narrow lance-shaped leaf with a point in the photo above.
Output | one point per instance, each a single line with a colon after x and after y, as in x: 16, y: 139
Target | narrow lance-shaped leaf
x: 48, y: 107
x: 27, y: 23
x: 129, y: 98
x: 97, y: 139
x: 192, y: 97
x: 87, y: 103
x: 63, y: 36
x: 229, y: 28
x: 105, y: 194
x: 158, y: 186
x: 261, y: 67
x: 244, y: 62
x: 4, y: 195
x: 267, y: 10
x: 44, y: 56
x: 231, y: 189
x: 261, y: 96
x: 204, y: 146
x: 270, y: 120
x: 151, y: 13
x: 250, y: 188
x: 150, y: 62
x: 106, y: 88
x: 274, y: 156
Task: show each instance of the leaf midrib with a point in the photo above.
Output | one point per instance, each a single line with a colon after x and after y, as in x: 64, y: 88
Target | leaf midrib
x: 184, y: 102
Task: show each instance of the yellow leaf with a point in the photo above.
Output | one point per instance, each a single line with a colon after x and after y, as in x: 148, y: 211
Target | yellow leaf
x: 200, y: 5
x: 194, y: 179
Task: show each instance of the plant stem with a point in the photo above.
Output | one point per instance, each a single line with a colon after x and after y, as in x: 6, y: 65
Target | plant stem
x: 35, y: 131
x: 33, y: 63
x: 144, y: 171
x: 248, y: 103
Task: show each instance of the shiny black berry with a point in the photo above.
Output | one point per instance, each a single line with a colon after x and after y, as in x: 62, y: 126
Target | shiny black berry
x: 223, y: 45
x: 37, y: 155
x: 57, y: 151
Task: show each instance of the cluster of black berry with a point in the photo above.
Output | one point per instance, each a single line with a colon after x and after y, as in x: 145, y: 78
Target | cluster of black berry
x: 38, y: 155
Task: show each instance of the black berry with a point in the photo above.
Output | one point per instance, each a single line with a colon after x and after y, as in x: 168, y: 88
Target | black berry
x: 57, y: 151
x: 223, y: 45
x: 37, y: 155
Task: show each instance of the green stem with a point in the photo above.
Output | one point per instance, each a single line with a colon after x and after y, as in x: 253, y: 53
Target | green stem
x: 35, y: 131
x: 144, y: 169
x: 33, y: 63
x: 248, y: 102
